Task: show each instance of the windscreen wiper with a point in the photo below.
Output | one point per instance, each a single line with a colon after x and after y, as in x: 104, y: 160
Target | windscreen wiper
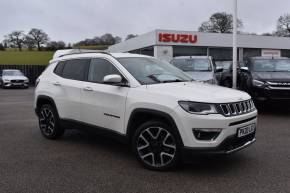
x: 175, y: 80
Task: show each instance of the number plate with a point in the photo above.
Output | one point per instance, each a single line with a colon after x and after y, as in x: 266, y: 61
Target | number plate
x: 243, y: 131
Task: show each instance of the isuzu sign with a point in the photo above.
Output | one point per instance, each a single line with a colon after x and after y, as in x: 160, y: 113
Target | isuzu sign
x: 177, y: 38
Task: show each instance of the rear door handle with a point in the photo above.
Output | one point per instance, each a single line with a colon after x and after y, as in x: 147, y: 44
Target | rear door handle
x: 56, y: 83
x: 88, y: 89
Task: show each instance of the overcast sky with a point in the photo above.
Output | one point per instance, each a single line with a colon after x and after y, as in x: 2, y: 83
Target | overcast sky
x: 74, y: 20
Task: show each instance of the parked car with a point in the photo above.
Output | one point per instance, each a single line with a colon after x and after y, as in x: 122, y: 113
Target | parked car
x: 225, y: 76
x: 200, y: 68
x: 13, y: 78
x: 163, y: 115
x: 266, y: 78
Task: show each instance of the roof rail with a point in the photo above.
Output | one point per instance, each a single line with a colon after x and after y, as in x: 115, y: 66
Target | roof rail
x: 61, y: 53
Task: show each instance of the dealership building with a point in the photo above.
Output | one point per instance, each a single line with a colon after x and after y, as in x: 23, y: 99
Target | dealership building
x: 166, y: 44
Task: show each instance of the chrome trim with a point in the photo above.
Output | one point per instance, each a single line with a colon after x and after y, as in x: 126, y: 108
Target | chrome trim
x: 241, y: 147
x: 279, y: 88
x: 239, y: 108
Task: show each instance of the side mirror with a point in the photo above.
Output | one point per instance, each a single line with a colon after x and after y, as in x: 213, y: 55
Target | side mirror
x: 219, y: 69
x: 244, y: 69
x: 115, y: 79
x: 112, y: 79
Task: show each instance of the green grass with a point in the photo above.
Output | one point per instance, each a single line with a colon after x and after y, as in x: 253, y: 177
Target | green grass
x: 25, y: 57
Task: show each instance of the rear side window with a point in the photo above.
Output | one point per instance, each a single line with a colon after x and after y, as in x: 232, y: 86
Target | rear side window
x: 75, y: 69
x: 100, y: 68
x: 59, y: 68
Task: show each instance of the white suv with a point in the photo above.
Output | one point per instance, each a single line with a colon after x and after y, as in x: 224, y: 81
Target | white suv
x: 150, y: 104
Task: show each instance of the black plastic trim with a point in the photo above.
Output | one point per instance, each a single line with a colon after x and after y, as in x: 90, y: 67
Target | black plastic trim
x: 242, y: 121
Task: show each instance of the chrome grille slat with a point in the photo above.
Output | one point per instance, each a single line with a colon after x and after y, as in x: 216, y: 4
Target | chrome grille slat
x: 234, y: 109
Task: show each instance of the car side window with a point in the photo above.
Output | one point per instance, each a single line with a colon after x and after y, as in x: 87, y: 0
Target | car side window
x: 75, y: 69
x: 99, y: 68
x: 58, y: 69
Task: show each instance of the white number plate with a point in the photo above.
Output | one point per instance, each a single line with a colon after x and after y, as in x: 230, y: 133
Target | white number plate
x: 243, y: 131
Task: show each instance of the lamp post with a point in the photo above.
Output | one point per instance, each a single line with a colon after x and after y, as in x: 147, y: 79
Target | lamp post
x: 235, y: 41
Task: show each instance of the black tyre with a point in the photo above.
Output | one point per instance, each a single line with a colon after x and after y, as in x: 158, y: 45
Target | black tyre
x: 49, y: 123
x: 156, y: 145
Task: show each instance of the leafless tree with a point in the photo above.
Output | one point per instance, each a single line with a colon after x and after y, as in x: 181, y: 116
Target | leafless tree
x: 219, y: 23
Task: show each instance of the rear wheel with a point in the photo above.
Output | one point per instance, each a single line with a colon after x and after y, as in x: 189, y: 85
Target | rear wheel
x: 49, y: 123
x: 156, y: 146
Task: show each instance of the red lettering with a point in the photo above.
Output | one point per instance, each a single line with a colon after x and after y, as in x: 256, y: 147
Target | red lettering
x: 193, y: 39
x: 177, y: 38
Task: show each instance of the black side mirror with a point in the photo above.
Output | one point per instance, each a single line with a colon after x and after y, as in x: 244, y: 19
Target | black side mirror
x: 219, y: 69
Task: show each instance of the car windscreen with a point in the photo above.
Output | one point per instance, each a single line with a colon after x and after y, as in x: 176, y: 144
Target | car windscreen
x: 152, y: 71
x: 193, y: 64
x: 270, y: 65
x: 12, y: 73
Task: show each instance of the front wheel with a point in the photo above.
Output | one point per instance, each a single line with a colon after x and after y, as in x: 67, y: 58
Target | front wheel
x: 49, y: 123
x: 156, y: 146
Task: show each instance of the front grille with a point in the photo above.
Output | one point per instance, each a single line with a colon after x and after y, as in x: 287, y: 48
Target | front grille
x: 235, y: 109
x: 17, y: 81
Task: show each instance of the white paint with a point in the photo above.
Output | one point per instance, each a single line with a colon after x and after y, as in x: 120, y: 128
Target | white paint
x: 163, y: 53
x: 271, y: 53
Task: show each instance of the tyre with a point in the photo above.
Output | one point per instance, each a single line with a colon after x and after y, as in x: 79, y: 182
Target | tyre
x: 49, y: 122
x: 156, y: 146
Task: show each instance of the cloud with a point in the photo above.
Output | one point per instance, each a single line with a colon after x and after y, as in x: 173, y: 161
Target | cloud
x: 74, y: 20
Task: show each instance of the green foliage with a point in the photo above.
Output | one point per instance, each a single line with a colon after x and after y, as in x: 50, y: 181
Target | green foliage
x: 25, y: 57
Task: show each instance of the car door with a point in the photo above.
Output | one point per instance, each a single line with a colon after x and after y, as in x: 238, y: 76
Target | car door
x: 103, y: 105
x: 67, y: 87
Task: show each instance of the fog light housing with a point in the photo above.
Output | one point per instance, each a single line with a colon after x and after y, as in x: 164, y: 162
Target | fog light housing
x: 206, y: 134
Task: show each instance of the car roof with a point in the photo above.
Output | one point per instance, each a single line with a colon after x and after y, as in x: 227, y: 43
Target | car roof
x: 189, y: 57
x: 91, y: 54
x: 269, y: 58
x: 10, y: 70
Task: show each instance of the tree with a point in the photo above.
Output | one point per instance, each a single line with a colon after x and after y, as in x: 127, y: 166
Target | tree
x: 283, y: 25
x: 108, y: 39
x: 118, y: 39
x: 2, y: 48
x: 39, y: 37
x: 55, y: 45
x: 130, y: 36
x: 15, y: 39
x: 29, y: 42
x: 220, y: 22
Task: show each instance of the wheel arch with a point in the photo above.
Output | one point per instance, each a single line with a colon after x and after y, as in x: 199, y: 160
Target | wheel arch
x: 141, y: 115
x: 43, y: 99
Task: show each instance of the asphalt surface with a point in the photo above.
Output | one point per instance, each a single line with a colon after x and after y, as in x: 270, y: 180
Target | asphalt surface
x: 80, y: 162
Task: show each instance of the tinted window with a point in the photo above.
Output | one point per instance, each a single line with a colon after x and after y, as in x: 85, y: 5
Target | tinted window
x: 75, y: 69
x: 271, y: 65
x: 100, y: 68
x: 59, y: 68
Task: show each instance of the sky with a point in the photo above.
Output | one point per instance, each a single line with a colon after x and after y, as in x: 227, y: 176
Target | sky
x: 75, y: 20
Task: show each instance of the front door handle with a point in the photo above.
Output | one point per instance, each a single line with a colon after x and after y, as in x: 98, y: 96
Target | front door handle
x: 56, y: 83
x: 88, y: 89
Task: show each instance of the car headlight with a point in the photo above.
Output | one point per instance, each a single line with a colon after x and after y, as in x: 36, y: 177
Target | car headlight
x: 198, y: 108
x: 26, y: 80
x: 6, y: 80
x: 258, y: 83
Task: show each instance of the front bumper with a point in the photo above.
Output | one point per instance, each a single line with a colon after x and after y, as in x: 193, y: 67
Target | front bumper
x: 226, y: 141
x: 229, y: 145
x: 9, y: 84
x: 267, y: 93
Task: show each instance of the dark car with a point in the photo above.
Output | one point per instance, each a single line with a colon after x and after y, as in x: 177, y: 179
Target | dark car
x: 266, y: 78
x: 225, y: 77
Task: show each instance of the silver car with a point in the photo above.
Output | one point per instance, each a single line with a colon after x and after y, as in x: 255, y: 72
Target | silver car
x: 13, y: 78
x: 200, y: 68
